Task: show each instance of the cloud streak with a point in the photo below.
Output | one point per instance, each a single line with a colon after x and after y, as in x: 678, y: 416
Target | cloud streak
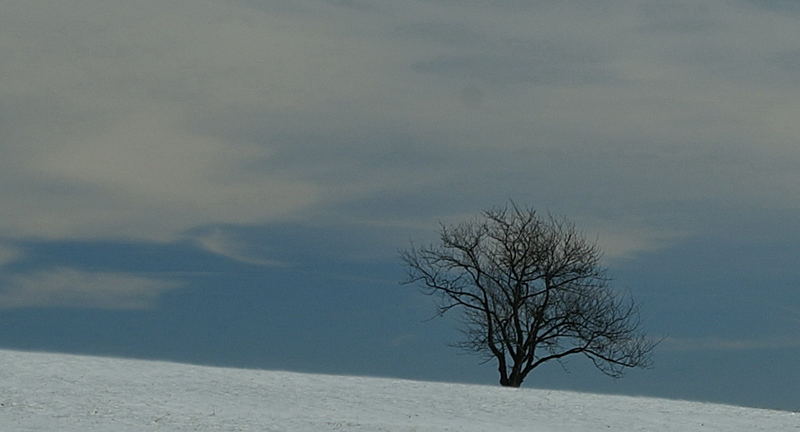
x: 219, y: 242
x: 71, y: 288
x: 723, y: 344
x: 9, y: 254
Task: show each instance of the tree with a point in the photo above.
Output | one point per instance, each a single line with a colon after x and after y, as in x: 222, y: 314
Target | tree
x: 531, y: 289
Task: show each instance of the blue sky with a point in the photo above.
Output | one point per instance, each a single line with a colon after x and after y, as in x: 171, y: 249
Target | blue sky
x: 229, y: 182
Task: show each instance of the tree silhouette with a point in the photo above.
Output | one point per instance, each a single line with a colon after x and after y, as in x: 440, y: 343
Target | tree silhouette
x: 530, y: 290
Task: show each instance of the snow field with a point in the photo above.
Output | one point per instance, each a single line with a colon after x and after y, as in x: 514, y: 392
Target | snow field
x: 56, y: 392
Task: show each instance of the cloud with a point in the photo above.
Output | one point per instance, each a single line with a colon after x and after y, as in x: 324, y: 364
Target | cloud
x: 102, y: 104
x: 222, y: 243
x: 146, y: 122
x: 9, y: 254
x: 65, y: 287
x: 678, y: 16
x: 723, y: 344
x: 777, y: 6
x: 447, y: 33
x: 626, y: 242
x: 535, y: 68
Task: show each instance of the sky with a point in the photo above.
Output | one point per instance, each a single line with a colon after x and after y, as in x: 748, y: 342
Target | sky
x: 230, y: 182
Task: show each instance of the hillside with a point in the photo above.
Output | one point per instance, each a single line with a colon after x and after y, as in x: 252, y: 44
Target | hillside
x: 56, y: 392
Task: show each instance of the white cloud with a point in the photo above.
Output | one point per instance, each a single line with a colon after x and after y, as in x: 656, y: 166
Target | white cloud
x: 65, y: 287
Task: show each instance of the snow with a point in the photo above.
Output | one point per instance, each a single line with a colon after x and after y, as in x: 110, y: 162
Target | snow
x: 57, y: 392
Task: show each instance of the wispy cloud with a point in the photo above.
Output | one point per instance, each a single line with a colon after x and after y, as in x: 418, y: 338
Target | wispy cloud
x: 9, y: 254
x: 728, y: 344
x: 225, y: 244
x: 792, y: 313
x: 65, y: 287
x: 534, y: 68
x: 624, y: 242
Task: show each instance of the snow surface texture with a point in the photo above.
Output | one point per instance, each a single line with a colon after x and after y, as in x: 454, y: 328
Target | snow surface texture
x: 56, y: 392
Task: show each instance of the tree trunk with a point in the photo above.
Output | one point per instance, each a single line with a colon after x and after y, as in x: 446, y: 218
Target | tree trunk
x: 514, y: 380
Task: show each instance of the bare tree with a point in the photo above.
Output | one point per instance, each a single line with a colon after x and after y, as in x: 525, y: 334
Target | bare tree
x: 531, y: 289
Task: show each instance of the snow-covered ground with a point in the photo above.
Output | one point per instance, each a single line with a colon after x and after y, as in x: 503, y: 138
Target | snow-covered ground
x: 65, y: 393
